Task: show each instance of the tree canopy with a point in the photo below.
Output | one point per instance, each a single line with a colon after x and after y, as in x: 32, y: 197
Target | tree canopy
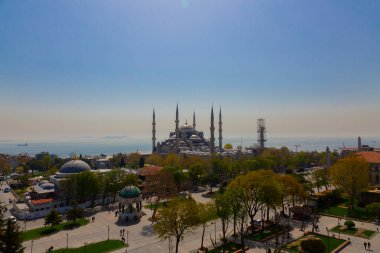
x: 351, y: 175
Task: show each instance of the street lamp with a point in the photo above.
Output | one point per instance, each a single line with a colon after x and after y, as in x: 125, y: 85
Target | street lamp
x: 67, y: 241
x: 108, y: 238
x: 31, y: 247
x: 214, y: 222
x: 328, y: 239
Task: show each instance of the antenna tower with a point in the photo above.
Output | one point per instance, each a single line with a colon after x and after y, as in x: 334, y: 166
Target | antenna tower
x: 261, y: 133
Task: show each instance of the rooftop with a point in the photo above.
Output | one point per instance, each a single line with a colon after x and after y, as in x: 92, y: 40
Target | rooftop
x: 370, y: 156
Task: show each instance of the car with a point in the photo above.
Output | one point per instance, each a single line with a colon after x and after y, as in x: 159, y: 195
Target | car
x: 6, y: 190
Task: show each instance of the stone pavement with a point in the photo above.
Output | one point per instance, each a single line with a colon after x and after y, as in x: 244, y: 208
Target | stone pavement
x: 142, y: 238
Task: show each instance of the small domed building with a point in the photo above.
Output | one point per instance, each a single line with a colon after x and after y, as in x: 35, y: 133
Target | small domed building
x: 130, y: 203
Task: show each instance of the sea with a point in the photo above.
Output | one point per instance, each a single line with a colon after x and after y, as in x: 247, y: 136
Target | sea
x: 108, y: 146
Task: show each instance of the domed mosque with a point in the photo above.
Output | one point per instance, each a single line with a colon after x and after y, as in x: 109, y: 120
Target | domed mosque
x: 186, y: 139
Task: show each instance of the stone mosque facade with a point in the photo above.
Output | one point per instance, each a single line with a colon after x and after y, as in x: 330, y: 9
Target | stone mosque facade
x: 187, y: 139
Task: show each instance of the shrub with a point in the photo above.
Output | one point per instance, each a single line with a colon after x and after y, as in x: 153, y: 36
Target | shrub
x: 349, y: 224
x: 313, y: 245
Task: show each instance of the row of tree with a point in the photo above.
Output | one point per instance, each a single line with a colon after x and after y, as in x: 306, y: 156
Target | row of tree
x: 245, y: 197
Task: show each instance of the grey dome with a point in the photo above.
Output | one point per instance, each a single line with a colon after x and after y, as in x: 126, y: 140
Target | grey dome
x: 74, y: 166
x: 47, y: 186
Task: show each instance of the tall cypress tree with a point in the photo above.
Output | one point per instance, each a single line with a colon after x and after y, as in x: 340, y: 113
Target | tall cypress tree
x: 10, y: 236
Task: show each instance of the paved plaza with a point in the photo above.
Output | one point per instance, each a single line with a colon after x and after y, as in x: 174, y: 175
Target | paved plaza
x: 142, y: 238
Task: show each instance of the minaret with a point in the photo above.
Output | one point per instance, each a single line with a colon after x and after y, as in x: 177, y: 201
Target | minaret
x: 220, y: 128
x: 154, y: 132
x: 327, y: 158
x: 194, y: 125
x: 359, y: 144
x: 176, y: 129
x: 212, y: 129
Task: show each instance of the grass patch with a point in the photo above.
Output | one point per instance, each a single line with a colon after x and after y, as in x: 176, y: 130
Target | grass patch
x: 152, y: 206
x: 267, y: 232
x: 99, y: 247
x: 341, y: 210
x: 331, y: 243
x: 45, y: 231
x: 230, y: 247
x: 359, y: 232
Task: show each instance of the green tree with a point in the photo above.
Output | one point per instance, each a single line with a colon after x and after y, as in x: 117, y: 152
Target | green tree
x: 228, y: 146
x: 92, y: 183
x: 374, y: 209
x: 223, y: 211
x: 75, y: 213
x: 177, y: 219
x: 251, y: 192
x: 133, y: 160
x: 10, y: 236
x: 196, y: 173
x: 313, y: 245
x: 351, y: 175
x: 206, y: 212
x: 154, y: 159
x: 53, y: 218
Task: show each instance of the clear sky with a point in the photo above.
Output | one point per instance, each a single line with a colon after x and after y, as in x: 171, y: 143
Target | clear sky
x: 97, y: 67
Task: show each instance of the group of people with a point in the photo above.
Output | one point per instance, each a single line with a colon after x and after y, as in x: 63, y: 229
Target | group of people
x: 122, y: 233
x: 367, y: 245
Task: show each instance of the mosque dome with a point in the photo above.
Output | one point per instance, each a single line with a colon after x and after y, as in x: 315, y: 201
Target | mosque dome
x: 186, y: 127
x: 47, y: 186
x: 74, y: 166
x: 195, y: 137
x: 130, y: 191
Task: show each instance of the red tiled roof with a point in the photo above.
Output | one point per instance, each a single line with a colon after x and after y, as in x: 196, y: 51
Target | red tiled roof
x: 370, y: 156
x: 149, y: 170
x: 41, y: 201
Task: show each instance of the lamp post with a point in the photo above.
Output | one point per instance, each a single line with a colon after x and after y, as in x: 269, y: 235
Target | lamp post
x: 328, y: 239
x: 67, y: 241
x: 31, y: 247
x: 214, y: 230
x: 108, y: 238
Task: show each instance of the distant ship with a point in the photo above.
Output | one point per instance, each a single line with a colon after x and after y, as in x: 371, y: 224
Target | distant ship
x: 22, y: 145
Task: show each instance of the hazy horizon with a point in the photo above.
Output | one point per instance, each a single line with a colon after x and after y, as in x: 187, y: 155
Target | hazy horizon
x: 71, y: 69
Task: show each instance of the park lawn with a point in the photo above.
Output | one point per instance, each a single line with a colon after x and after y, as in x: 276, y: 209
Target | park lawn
x: 268, y: 231
x: 341, y: 211
x: 48, y: 230
x: 332, y: 242
x: 99, y: 247
x: 229, y: 248
x: 359, y: 232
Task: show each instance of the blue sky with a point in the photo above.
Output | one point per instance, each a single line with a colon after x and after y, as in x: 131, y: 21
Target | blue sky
x: 74, y: 68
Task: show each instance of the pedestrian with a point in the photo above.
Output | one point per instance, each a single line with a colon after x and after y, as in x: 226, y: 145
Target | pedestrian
x: 365, y: 245
x: 121, y: 232
x: 369, y: 245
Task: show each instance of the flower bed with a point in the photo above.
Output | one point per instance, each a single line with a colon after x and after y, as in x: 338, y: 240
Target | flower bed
x: 332, y: 244
x: 359, y: 232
